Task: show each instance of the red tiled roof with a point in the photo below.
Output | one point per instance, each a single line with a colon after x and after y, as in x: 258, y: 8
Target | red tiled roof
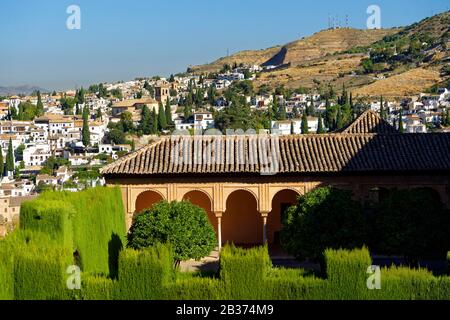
x: 328, y: 153
x: 370, y: 122
x: 369, y: 144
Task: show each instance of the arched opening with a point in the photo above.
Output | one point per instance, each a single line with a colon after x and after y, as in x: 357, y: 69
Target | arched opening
x: 147, y: 199
x: 280, y: 203
x: 242, y: 223
x: 201, y: 199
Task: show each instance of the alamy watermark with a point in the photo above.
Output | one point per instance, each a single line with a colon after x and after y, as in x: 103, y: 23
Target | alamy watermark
x: 236, y: 148
x: 374, y: 280
x: 74, y: 279
x: 374, y: 20
x: 73, y: 22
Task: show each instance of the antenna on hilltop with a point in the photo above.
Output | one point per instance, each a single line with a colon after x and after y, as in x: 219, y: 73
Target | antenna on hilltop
x: 346, y: 21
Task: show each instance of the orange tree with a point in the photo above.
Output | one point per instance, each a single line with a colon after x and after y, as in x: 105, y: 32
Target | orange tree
x: 185, y: 226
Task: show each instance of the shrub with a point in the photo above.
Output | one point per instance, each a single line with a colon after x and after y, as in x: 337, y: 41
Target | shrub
x: 40, y: 274
x: 182, y: 224
x: 243, y: 271
x: 292, y: 284
x: 27, y: 260
x: 94, y: 287
x: 52, y: 217
x: 142, y: 274
x: 411, y: 223
x: 347, y: 272
x: 6, y: 271
x: 401, y: 283
x: 194, y: 288
x: 98, y: 226
x: 323, y: 218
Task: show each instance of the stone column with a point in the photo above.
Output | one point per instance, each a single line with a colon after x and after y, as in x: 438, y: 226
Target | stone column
x: 219, y: 229
x: 264, y: 216
x: 129, y: 220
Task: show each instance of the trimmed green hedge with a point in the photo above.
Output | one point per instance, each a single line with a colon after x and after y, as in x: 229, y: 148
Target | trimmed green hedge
x: 32, y: 266
x: 94, y: 287
x: 92, y: 220
x: 194, y: 288
x: 6, y: 271
x: 40, y: 274
x: 34, y: 260
x: 292, y: 284
x: 142, y: 274
x: 52, y: 217
x: 242, y: 272
x: 347, y: 272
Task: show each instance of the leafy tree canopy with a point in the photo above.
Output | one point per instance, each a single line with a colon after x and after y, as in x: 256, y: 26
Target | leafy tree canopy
x: 182, y: 224
x: 323, y: 218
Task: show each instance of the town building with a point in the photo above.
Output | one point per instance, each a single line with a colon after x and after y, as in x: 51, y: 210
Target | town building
x: 162, y: 92
x: 245, y: 182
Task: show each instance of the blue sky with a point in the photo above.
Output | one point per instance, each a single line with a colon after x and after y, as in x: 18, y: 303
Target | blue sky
x: 121, y: 40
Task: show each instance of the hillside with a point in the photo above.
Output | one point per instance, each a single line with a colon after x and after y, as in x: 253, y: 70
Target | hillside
x: 396, y: 62
x: 316, y: 46
x: 25, y: 90
x: 412, y: 60
x: 332, y: 70
x: 249, y: 57
x: 404, y: 84
x: 329, y: 42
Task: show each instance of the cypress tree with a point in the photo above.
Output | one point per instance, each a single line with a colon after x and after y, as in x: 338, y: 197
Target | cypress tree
x: 304, y: 127
x: 85, y: 133
x: 339, y: 120
x: 327, y: 120
x: 10, y: 157
x: 187, y: 111
x: 275, y: 107
x: 39, y: 105
x: 144, y: 124
x: 211, y: 95
x: 161, y: 117
x: 320, y: 129
x: 2, y: 164
x: 154, y: 123
x: 168, y: 113
x: 295, y: 112
x: 20, y: 115
x: 310, y: 108
x: 281, y: 112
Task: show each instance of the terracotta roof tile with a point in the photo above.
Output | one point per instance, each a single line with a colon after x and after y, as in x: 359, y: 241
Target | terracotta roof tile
x: 370, y: 122
x: 337, y: 152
